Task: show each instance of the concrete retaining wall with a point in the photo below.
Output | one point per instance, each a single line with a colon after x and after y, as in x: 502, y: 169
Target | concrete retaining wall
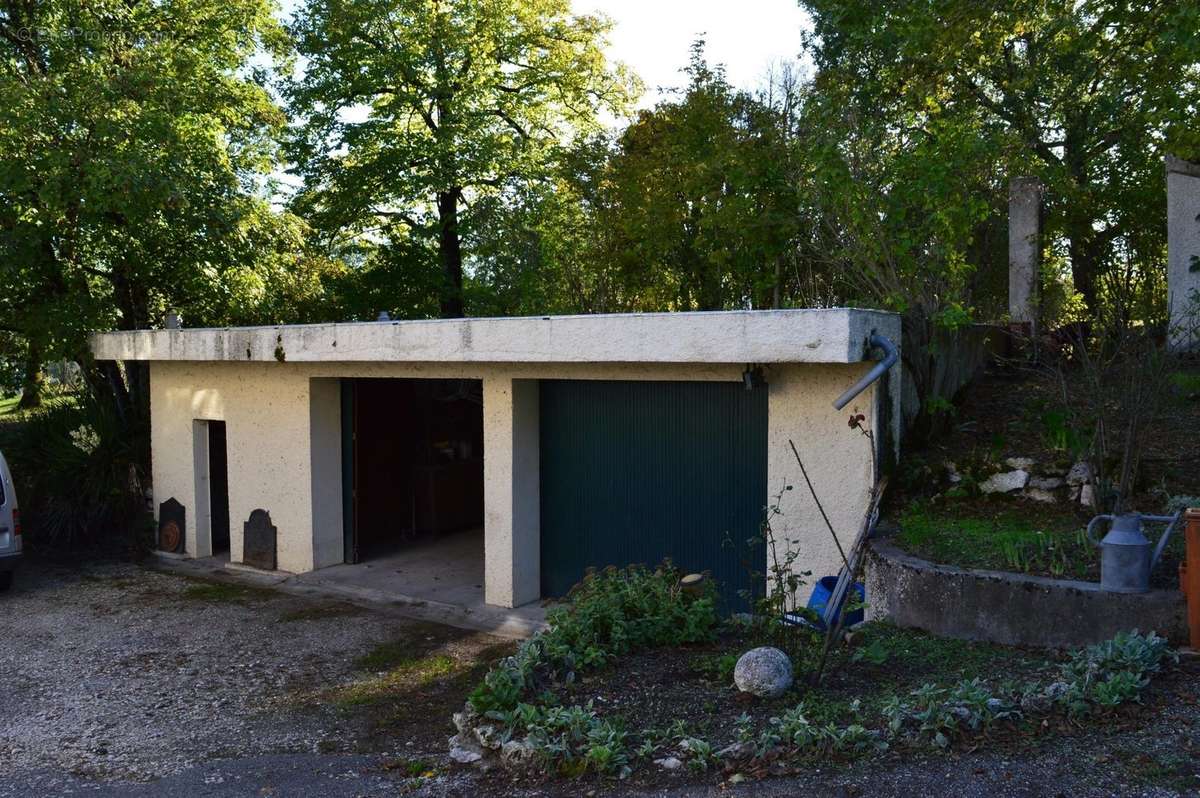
x: 1008, y: 608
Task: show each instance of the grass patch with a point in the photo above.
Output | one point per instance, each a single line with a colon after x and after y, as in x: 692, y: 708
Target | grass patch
x: 1188, y: 384
x: 395, y: 676
x: 1166, y: 770
x: 412, y: 768
x: 8, y: 404
x: 980, y: 535
x: 385, y: 656
x: 225, y: 593
x: 320, y: 612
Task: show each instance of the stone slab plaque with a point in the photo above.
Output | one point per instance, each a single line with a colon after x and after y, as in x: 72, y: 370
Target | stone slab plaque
x: 172, y: 526
x: 258, y: 536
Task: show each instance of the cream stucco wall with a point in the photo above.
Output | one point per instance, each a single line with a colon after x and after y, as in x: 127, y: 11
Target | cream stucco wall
x: 278, y: 414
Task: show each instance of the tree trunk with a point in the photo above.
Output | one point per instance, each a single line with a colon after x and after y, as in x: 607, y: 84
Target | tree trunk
x: 450, y: 255
x: 33, y: 382
x: 777, y: 288
x: 1085, y: 261
x: 1081, y: 233
x: 134, y: 303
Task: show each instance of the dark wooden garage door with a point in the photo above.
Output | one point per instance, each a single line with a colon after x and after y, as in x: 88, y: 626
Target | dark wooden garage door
x: 632, y: 472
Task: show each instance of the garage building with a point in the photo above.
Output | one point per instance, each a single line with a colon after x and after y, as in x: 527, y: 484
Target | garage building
x: 506, y: 456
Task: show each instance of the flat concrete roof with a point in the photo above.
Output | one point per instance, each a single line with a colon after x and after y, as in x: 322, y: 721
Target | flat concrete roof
x: 833, y: 335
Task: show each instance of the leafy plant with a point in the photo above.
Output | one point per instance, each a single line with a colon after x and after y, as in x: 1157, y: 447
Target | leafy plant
x: 700, y: 755
x: 716, y: 667
x: 573, y: 740
x: 610, y: 613
x: 1061, y: 434
x: 876, y: 651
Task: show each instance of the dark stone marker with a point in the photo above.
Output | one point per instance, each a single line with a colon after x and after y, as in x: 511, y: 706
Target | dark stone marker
x: 258, y: 541
x: 172, y: 526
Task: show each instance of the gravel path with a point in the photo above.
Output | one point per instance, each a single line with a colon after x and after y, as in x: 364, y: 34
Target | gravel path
x: 118, y: 674
x: 117, y: 680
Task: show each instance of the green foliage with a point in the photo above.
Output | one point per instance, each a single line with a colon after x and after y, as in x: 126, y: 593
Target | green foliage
x: 700, y: 754
x: 940, y: 716
x: 794, y: 730
x: 610, y: 613
x: 1088, y: 96
x: 464, y: 103
x: 701, y: 198
x: 78, y: 477
x: 136, y: 141
x: 1002, y: 539
x: 618, y: 610
x: 1061, y: 433
x: 1128, y: 652
x: 876, y: 652
x: 717, y: 668
x: 1188, y: 384
x: 1098, y: 677
x: 571, y: 740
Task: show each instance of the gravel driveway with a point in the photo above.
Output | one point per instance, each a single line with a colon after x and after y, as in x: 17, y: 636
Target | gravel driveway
x: 114, y: 675
x: 118, y: 680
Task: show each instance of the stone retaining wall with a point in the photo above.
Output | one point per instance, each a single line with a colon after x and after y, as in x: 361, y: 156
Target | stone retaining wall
x: 1009, y: 608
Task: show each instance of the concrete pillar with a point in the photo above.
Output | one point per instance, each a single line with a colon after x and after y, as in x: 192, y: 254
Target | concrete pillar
x: 325, y: 439
x: 512, y: 573
x: 1183, y: 251
x: 1024, y: 249
x: 198, y: 536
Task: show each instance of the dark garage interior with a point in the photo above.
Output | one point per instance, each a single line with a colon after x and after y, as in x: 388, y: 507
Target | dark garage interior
x: 415, y: 464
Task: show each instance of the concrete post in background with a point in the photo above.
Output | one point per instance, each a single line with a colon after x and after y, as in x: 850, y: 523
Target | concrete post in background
x: 1183, y: 251
x: 1024, y: 250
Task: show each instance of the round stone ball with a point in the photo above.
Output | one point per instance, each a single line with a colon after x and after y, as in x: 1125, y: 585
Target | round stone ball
x: 765, y: 672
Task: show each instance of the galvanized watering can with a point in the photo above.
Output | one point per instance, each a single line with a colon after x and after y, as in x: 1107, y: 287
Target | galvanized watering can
x: 1125, y: 556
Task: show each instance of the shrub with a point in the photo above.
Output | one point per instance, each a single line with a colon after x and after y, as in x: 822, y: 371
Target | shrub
x: 1103, y: 675
x: 569, y: 740
x: 1113, y: 672
x: 611, y: 613
x: 615, y: 611
x: 79, y: 477
x: 794, y: 729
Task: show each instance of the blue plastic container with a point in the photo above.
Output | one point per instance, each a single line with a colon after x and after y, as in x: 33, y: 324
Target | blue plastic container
x: 824, y: 589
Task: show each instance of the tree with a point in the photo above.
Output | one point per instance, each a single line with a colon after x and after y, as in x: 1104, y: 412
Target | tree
x: 134, y: 144
x: 413, y: 112
x: 1086, y: 94
x: 700, y: 199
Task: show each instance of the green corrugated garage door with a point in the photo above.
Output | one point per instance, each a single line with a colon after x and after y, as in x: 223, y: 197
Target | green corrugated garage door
x: 632, y: 472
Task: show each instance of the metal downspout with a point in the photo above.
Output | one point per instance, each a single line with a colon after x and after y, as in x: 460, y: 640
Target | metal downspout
x: 891, y: 355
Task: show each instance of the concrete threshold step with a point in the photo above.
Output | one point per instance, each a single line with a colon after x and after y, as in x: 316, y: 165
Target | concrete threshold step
x: 517, y: 623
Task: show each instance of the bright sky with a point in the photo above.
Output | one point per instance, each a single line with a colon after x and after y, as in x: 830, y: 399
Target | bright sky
x: 653, y: 36
x: 747, y: 36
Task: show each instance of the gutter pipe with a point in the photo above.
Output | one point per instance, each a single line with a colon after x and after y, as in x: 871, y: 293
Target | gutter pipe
x: 891, y: 355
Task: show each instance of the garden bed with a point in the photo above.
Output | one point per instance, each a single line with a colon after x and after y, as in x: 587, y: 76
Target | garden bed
x: 632, y: 681
x: 956, y: 502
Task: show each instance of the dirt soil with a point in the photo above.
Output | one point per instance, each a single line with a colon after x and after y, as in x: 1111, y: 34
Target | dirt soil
x: 1140, y: 750
x: 1004, y: 415
x: 121, y: 680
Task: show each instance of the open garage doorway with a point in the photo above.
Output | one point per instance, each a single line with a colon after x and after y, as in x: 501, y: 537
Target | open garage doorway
x: 413, y: 483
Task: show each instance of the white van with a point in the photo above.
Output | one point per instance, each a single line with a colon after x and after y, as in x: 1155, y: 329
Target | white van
x: 10, y: 527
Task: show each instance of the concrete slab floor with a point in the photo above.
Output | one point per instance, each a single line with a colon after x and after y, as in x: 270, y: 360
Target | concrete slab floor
x: 438, y: 579
x: 445, y: 568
